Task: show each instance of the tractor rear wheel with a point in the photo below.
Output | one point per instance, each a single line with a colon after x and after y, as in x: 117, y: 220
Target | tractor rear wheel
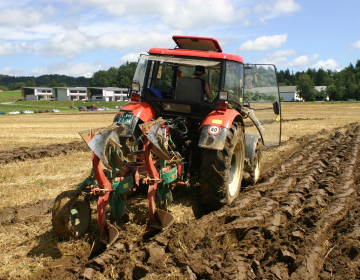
x: 71, y: 214
x: 222, y: 171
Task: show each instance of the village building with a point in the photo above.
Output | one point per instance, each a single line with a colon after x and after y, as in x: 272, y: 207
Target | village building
x: 107, y: 94
x: 36, y: 93
x: 289, y: 94
x: 69, y: 93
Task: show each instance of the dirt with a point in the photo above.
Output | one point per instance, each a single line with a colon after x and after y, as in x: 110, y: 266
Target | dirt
x: 14, y: 215
x: 299, y: 222
x: 25, y: 153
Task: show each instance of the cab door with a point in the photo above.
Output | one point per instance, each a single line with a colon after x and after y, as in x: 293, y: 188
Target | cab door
x: 262, y: 101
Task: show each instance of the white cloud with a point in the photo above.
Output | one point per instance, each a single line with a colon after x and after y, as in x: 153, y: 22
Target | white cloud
x: 271, y: 9
x: 182, y: 14
x: 355, y: 45
x: 301, y: 60
x: 6, y: 49
x: 21, y: 17
x: 281, y: 59
x: 31, y: 34
x: 125, y: 7
x: 131, y: 57
x: 11, y: 72
x: 70, y: 69
x: 281, y: 53
x: 14, y: 47
x: 187, y: 14
x: 71, y: 43
x: 328, y: 64
x: 68, y: 44
x: 201, y: 13
x: 264, y: 43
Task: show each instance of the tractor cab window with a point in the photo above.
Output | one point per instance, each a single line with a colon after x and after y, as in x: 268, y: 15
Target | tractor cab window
x: 234, y: 81
x: 173, y: 78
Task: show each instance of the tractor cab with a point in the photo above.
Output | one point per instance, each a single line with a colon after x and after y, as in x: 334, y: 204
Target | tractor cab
x: 166, y: 80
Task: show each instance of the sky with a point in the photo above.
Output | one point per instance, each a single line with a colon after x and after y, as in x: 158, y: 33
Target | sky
x: 80, y: 37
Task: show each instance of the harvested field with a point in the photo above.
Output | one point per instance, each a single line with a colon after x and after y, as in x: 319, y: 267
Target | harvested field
x: 299, y: 221
x: 40, y: 130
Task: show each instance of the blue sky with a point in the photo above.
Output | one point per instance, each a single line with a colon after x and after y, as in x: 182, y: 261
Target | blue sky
x: 79, y: 37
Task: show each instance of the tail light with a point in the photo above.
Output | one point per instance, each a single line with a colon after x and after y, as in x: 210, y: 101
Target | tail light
x: 222, y: 106
x: 135, y: 97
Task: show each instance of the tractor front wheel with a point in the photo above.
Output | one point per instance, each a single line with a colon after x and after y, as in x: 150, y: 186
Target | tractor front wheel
x: 71, y: 214
x: 222, y: 171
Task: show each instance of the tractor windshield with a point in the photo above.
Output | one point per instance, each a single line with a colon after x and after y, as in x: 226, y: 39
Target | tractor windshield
x: 262, y: 96
x: 173, y: 78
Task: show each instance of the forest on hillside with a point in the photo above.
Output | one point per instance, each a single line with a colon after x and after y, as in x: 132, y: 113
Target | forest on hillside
x: 340, y: 85
x: 14, y: 83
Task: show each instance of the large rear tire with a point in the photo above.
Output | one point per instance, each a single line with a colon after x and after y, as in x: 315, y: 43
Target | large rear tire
x: 71, y: 214
x: 222, y: 171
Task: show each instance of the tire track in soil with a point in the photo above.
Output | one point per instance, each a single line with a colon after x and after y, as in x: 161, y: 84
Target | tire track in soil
x: 299, y: 224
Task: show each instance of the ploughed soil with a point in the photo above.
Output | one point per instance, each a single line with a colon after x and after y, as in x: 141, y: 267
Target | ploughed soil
x: 299, y: 222
x: 25, y: 153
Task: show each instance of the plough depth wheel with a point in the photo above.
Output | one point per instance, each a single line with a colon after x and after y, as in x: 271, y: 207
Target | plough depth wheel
x: 71, y: 214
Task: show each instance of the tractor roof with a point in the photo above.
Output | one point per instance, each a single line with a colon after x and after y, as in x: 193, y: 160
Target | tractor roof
x: 197, y: 46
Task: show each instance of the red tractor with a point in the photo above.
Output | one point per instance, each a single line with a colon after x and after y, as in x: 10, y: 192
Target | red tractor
x: 189, y: 113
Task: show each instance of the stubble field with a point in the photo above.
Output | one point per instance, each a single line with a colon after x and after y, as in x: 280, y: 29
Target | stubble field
x: 298, y: 222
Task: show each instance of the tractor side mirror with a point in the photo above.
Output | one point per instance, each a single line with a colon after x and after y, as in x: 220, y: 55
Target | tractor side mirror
x: 276, y: 108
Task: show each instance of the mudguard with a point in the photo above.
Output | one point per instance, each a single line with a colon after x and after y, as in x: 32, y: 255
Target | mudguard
x: 141, y: 110
x: 251, y: 140
x: 214, y: 128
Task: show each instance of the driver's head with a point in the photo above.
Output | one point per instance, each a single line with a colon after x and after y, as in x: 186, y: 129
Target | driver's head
x: 199, y: 70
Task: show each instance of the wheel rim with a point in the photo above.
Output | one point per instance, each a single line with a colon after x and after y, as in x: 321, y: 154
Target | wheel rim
x: 79, y: 216
x: 235, y: 170
x: 257, y: 168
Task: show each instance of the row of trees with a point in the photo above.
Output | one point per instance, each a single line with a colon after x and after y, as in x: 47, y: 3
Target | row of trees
x: 340, y: 85
x: 115, y: 77
x: 14, y: 83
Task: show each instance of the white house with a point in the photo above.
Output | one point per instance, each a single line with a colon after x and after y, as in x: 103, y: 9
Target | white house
x: 36, y: 93
x: 322, y: 89
x: 289, y: 93
x: 69, y: 93
x: 107, y: 94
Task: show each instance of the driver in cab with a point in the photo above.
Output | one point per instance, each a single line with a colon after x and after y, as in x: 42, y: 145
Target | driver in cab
x: 200, y: 74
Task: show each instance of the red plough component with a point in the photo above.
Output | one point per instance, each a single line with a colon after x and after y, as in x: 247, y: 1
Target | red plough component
x: 143, y: 170
x: 103, y: 198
